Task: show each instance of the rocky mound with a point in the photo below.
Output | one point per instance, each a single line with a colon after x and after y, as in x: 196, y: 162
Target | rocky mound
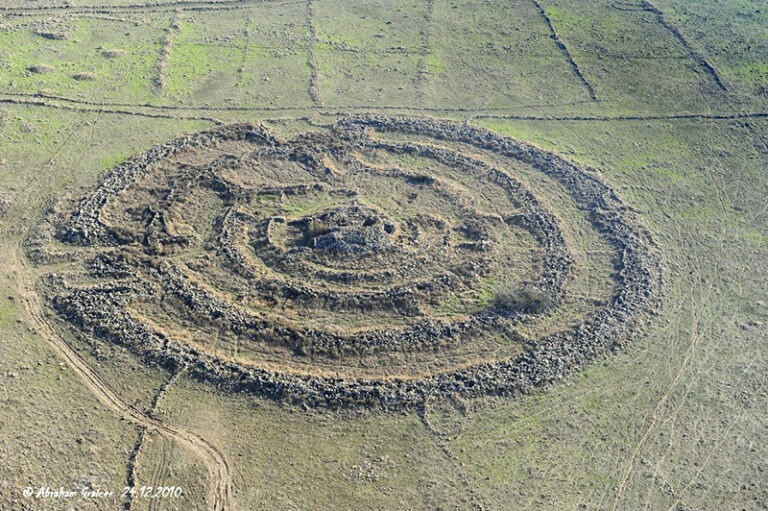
x: 381, y: 262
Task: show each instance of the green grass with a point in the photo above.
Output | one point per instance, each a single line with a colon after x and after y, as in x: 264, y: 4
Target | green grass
x: 436, y: 64
x: 126, y: 77
x: 698, y: 185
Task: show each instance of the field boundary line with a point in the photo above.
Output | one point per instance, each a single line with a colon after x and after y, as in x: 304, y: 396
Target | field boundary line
x: 650, y: 6
x: 564, y: 48
x: 314, y: 71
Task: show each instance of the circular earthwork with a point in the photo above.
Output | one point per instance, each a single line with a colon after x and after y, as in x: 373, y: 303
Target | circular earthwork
x: 383, y: 261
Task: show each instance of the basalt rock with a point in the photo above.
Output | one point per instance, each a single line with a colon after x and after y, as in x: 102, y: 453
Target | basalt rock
x: 365, y: 265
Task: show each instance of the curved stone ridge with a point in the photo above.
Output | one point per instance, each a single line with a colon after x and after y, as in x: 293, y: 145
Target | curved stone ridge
x: 385, y: 261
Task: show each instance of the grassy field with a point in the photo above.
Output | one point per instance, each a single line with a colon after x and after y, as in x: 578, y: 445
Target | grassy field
x: 678, y: 125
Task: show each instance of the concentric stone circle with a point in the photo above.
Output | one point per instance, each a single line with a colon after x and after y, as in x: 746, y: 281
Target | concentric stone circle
x: 384, y: 261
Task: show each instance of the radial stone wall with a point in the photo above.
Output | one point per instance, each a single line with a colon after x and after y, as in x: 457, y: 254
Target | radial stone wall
x: 381, y: 262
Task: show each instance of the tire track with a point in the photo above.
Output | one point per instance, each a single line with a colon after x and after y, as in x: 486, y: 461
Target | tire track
x: 655, y: 416
x: 157, y: 474
x: 709, y: 314
x: 676, y: 504
x: 675, y: 414
x: 698, y: 310
x: 218, y: 468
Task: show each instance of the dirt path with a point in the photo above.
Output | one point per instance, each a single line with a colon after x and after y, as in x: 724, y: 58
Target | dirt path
x: 218, y: 468
x: 699, y: 300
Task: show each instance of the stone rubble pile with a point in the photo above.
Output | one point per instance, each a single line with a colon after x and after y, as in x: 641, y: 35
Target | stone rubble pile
x: 138, y: 268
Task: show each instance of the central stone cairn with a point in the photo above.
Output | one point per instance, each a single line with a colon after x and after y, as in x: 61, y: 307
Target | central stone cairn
x: 350, y: 229
x: 384, y: 261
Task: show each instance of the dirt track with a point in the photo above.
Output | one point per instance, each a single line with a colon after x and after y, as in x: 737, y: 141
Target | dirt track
x: 218, y: 468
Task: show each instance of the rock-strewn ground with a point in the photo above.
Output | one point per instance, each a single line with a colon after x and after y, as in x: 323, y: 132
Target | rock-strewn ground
x: 222, y: 252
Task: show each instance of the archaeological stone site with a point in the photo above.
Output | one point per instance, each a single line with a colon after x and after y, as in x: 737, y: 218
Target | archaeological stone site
x: 382, y: 262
